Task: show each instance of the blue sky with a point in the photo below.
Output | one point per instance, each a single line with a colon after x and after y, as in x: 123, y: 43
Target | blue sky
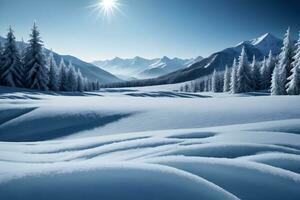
x: 148, y: 28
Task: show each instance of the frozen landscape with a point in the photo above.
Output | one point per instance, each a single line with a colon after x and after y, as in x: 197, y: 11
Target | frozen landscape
x: 149, y: 100
x: 148, y: 143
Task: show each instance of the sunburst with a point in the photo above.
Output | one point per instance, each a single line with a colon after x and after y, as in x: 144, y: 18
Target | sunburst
x: 106, y: 8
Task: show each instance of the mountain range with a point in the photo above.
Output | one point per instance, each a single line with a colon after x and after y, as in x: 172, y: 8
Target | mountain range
x: 141, y: 68
x: 166, y: 70
x: 88, y: 70
x: 259, y: 47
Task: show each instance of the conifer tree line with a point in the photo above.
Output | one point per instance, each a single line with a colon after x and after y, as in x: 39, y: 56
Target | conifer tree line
x: 28, y: 67
x: 278, y: 74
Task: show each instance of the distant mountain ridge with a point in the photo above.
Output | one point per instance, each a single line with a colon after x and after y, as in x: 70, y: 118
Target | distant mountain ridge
x: 139, y: 67
x: 88, y: 70
x: 259, y: 47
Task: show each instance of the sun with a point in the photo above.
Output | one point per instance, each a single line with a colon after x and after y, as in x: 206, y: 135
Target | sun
x: 106, y: 8
x: 108, y: 4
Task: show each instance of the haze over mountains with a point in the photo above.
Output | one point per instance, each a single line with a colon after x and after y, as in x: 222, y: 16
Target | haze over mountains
x: 259, y: 47
x: 140, y: 68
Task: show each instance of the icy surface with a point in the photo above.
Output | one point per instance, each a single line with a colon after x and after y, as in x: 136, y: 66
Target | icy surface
x: 148, y: 143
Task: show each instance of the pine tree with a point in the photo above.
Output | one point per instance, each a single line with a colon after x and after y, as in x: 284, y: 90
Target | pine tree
x: 1, y: 49
x: 63, y: 76
x: 1, y: 59
x: 209, y: 83
x: 80, y: 81
x: 256, y: 76
x: 12, y: 72
x: 234, y: 79
x: 35, y: 63
x: 286, y: 55
x: 72, y: 78
x: 215, y: 84
x: 227, y: 73
x: 278, y: 83
x: 85, y: 82
x: 22, y: 50
x: 264, y: 75
x: 243, y: 74
x: 293, y: 86
x: 270, y: 67
x: 53, y: 73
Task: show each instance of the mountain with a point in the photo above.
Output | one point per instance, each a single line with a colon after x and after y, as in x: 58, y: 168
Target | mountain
x: 139, y: 67
x: 164, y: 66
x: 259, y: 47
x: 125, y: 67
x: 266, y: 42
x: 89, y: 70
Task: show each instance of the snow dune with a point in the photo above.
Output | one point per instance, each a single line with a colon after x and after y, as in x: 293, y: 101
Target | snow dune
x: 115, y: 145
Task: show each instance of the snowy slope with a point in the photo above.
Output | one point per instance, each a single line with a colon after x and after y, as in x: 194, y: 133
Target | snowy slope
x: 148, y: 143
x: 90, y: 71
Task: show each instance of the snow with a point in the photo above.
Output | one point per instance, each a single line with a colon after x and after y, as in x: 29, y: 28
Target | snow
x: 148, y: 143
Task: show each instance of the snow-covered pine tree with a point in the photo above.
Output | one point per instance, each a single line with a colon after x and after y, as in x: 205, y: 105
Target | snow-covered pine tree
x: 264, y: 83
x: 205, y: 86
x: 1, y: 49
x: 234, y: 79
x: 86, y: 84
x: 227, y: 74
x: 80, y: 81
x: 53, y: 73
x: 22, y: 49
x: 286, y: 55
x: 209, y: 84
x: 215, y: 81
x: 293, y: 86
x: 63, y: 76
x: 256, y: 76
x: 1, y: 58
x: 36, y: 71
x: 72, y: 78
x: 94, y: 85
x: 270, y: 67
x: 12, y: 71
x: 186, y: 87
x: 244, y: 74
x: 278, y: 83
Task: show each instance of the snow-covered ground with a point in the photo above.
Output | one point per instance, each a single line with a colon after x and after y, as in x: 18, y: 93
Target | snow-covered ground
x: 148, y: 143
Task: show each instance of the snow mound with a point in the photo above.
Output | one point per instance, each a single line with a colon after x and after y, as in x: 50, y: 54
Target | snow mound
x: 110, y: 181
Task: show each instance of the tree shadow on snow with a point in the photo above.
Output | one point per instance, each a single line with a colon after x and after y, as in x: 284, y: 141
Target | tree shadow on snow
x: 52, y: 127
x: 167, y: 94
x: 11, y: 93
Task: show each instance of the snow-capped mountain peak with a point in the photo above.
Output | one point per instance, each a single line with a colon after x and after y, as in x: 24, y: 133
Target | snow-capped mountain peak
x: 265, y: 43
x: 266, y: 37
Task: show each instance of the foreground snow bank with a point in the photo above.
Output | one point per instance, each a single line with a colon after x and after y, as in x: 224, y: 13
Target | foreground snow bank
x: 199, y: 148
x: 109, y: 181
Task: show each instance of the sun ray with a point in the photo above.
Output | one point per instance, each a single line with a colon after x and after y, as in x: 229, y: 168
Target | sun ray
x: 106, y: 8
